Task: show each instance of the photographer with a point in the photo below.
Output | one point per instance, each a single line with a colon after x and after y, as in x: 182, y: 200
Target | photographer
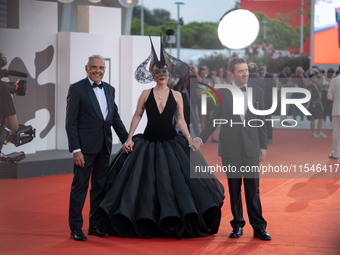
x: 7, y: 110
x: 10, y: 130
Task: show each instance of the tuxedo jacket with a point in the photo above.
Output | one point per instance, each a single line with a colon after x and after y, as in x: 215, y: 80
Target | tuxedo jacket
x: 234, y: 137
x: 86, y: 127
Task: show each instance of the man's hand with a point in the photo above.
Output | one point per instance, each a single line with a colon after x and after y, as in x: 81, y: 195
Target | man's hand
x: 189, y: 141
x: 196, y: 143
x: 263, y: 153
x: 78, y: 159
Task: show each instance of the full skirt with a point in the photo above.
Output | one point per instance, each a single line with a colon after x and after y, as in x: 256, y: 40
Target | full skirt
x: 154, y: 191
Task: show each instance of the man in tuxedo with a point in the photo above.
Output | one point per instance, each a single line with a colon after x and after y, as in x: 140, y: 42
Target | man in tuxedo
x: 240, y: 145
x: 333, y: 94
x: 90, y: 113
x: 253, y: 77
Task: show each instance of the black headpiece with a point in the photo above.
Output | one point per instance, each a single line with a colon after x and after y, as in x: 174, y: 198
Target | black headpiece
x: 177, y: 68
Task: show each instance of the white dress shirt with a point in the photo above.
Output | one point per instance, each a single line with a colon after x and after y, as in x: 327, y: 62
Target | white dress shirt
x: 245, y: 94
x: 100, y: 94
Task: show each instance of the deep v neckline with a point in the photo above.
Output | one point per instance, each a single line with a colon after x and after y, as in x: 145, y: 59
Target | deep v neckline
x: 166, y: 102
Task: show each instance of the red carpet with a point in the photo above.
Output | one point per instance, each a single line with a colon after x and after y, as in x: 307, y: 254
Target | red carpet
x: 302, y: 213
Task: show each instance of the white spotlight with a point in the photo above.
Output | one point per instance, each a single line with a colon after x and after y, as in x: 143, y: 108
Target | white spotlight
x: 238, y: 29
x: 128, y: 3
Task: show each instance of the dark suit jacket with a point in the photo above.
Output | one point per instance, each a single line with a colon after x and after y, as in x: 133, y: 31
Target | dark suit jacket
x: 85, y: 126
x: 269, y: 84
x: 255, y: 80
x: 233, y: 138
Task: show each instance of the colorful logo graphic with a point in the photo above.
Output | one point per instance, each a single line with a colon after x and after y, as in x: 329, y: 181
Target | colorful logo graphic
x: 209, y: 93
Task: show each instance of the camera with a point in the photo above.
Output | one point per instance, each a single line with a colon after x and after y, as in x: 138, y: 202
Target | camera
x: 24, y: 134
x: 18, y: 87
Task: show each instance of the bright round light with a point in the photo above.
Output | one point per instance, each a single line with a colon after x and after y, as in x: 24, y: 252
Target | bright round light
x: 128, y: 3
x: 95, y: 1
x: 238, y: 29
x: 65, y: 1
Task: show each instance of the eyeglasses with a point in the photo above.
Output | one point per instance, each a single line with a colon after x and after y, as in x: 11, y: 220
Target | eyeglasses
x: 160, y: 72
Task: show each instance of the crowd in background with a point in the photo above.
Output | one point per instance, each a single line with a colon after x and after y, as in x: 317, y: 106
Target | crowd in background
x: 259, y: 50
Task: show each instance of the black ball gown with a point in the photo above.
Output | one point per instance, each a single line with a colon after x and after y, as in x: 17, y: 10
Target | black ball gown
x: 154, y: 191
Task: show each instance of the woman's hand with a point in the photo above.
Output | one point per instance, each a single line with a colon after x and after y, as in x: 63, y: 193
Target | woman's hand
x: 128, y: 146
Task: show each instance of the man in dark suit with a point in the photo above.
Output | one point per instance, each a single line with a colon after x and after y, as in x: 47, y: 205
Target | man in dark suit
x: 90, y: 113
x: 254, y: 79
x: 240, y: 145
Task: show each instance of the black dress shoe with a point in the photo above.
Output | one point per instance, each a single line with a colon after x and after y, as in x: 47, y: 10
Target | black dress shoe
x: 214, y: 140
x: 236, y: 233
x: 263, y: 235
x: 78, y: 235
x: 95, y: 231
x: 332, y: 157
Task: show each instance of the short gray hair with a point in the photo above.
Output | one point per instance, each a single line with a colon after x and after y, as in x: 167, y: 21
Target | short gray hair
x: 95, y: 56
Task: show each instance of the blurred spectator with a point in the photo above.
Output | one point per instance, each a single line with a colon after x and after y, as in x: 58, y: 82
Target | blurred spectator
x: 202, y: 77
x: 222, y: 77
x: 195, y: 102
x: 327, y: 104
x: 314, y: 106
x: 183, y: 86
x: 262, y: 49
x: 285, y: 81
x: 271, y: 50
x: 269, y: 84
x: 207, y: 74
x: 251, y: 50
x: 299, y: 80
x: 234, y: 55
x: 212, y: 78
x: 253, y: 77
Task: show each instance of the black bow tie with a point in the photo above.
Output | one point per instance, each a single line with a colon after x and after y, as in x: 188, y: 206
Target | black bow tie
x: 97, y: 85
x: 243, y: 88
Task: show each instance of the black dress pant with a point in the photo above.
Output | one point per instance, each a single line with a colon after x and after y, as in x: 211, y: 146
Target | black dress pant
x: 240, y: 165
x: 96, y: 167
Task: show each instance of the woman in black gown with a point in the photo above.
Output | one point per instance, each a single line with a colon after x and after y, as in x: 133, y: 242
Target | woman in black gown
x: 153, y: 190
